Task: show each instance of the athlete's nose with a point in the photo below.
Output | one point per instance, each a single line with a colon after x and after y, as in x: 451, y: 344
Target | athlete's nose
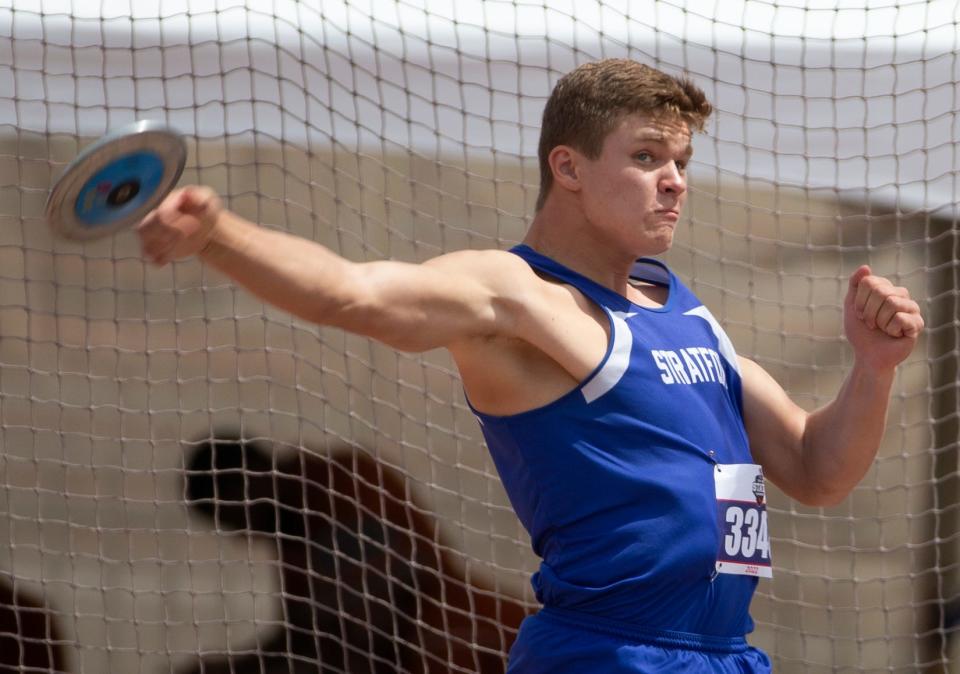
x: 673, y: 179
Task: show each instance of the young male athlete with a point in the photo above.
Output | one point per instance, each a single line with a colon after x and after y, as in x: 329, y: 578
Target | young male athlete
x: 627, y: 432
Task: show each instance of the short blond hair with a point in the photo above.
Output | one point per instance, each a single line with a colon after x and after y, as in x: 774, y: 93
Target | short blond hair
x: 587, y: 103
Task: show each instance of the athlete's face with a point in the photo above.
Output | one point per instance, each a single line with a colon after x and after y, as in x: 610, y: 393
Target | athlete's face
x: 635, y: 190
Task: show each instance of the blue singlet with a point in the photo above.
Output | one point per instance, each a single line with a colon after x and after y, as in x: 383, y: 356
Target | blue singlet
x: 614, y: 482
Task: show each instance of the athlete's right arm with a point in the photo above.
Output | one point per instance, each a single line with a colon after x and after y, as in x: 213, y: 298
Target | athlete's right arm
x: 412, y: 307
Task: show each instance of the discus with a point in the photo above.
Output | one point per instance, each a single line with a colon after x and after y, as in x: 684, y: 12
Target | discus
x: 113, y: 183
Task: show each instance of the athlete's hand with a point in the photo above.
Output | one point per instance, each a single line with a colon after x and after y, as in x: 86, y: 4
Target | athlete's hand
x: 182, y: 225
x: 881, y: 321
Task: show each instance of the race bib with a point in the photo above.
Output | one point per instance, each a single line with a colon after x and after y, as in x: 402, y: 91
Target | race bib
x: 742, y: 518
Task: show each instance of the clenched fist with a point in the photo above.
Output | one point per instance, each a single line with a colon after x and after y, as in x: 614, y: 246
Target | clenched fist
x: 881, y: 320
x: 182, y: 225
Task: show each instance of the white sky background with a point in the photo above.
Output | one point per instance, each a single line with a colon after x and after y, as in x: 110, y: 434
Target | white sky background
x: 851, y: 96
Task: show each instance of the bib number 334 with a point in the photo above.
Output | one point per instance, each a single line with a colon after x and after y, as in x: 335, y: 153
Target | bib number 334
x: 742, y: 520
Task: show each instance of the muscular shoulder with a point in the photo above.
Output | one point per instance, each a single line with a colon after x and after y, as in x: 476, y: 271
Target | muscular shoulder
x: 529, y: 297
x: 496, y: 268
x: 504, y: 270
x: 508, y: 281
x: 554, y: 339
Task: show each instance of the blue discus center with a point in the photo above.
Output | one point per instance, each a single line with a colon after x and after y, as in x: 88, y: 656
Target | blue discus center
x: 119, y: 188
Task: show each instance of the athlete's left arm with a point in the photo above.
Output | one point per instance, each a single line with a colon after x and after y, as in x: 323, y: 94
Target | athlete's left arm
x: 818, y: 457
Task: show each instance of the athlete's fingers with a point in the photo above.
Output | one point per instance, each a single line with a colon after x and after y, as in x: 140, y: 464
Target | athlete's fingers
x: 886, y: 312
x: 196, y: 199
x: 861, y: 272
x: 154, y: 234
x: 853, y: 290
x: 157, y: 240
x: 152, y: 226
x: 872, y: 292
x: 148, y: 221
x: 165, y: 239
x: 905, y: 324
x: 894, y: 305
x: 890, y: 305
x: 170, y: 209
x: 156, y: 251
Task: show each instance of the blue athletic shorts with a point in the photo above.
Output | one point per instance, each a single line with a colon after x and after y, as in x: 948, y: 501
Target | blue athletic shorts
x: 557, y: 642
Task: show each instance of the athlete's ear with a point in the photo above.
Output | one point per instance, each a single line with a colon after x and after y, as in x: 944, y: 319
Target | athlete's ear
x: 563, y: 162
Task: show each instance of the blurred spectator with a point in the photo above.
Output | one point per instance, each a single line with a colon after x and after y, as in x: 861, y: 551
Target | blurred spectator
x: 29, y: 638
x: 367, y: 584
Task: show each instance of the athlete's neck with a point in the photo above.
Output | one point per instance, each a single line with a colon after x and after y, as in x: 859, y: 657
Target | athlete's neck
x: 585, y: 251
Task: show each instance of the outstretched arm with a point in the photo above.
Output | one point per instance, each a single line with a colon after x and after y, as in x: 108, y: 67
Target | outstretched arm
x: 818, y: 457
x: 414, y: 307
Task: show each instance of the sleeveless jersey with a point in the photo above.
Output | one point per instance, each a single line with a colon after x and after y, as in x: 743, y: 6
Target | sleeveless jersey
x: 615, y: 481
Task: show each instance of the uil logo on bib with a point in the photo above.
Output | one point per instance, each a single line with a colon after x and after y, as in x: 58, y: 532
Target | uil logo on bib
x: 742, y: 520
